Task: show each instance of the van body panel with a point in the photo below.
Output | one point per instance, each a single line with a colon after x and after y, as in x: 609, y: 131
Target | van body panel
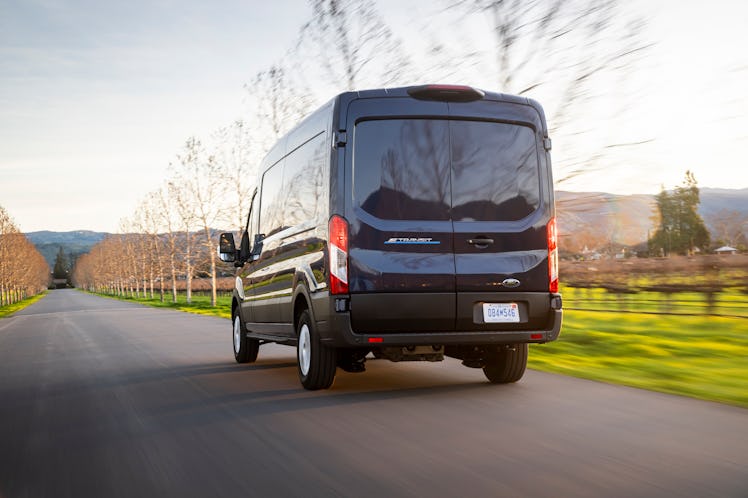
x: 292, y: 215
x: 402, y: 312
x: 401, y: 237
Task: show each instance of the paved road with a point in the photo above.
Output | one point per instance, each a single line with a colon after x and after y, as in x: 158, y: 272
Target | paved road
x: 103, y: 398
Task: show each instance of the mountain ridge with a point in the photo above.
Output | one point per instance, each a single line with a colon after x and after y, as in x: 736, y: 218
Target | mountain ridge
x: 74, y: 243
x: 629, y: 220
x: 584, y: 219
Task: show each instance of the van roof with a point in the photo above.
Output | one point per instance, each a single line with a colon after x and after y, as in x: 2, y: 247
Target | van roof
x: 342, y: 100
x: 345, y: 98
x: 407, y: 90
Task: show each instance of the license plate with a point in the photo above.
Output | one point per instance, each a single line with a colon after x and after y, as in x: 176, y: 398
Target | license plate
x: 500, y: 313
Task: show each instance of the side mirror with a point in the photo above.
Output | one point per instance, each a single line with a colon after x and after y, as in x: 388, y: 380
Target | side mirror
x: 227, y: 248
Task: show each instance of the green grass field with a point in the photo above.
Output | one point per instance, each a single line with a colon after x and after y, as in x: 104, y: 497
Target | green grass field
x: 704, y: 357
x: 699, y: 356
x: 200, y: 304
x: 729, y: 301
x: 12, y: 308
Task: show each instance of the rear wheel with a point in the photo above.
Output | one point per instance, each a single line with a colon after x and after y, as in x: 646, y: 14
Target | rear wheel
x: 316, y: 362
x: 245, y: 349
x: 507, y: 365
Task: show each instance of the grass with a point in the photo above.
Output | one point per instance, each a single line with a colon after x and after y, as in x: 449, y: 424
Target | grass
x: 727, y: 302
x: 200, y: 304
x: 698, y: 356
x: 12, y: 308
x: 703, y: 357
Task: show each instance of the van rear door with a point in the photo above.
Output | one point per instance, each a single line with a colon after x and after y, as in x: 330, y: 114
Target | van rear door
x: 448, y: 210
x: 401, y: 246
x: 500, y: 209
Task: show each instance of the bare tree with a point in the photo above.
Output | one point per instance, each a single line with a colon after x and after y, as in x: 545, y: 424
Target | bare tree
x: 236, y: 154
x: 105, y: 269
x: 277, y: 103
x: 571, y: 54
x: 185, y: 210
x: 151, y: 223
x: 165, y: 210
x: 366, y: 50
x: 129, y: 257
x: 23, y: 270
x: 729, y: 227
x: 198, y: 197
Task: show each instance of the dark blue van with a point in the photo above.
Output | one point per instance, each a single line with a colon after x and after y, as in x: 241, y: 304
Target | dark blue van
x: 404, y: 224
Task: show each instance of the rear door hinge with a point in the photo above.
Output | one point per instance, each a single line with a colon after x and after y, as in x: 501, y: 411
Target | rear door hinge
x: 339, y: 139
x: 547, y: 143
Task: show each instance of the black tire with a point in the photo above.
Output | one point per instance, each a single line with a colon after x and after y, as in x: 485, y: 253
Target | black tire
x: 245, y: 349
x: 316, y: 362
x: 507, y: 365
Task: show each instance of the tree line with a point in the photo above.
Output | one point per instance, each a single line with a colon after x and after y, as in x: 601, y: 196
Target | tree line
x: 169, y: 239
x: 23, y: 270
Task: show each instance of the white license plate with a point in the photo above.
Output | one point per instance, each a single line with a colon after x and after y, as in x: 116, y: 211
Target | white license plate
x: 500, y: 313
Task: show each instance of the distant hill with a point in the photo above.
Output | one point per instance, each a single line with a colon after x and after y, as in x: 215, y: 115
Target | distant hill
x: 618, y: 219
x: 73, y: 243
x: 628, y: 219
x: 714, y: 200
x: 621, y: 219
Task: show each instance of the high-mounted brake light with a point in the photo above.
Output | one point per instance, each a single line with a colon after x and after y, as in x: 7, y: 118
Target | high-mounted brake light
x: 552, y: 256
x: 446, y: 93
x: 338, y: 254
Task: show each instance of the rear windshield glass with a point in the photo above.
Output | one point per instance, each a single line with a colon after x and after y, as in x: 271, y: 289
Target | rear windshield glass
x: 420, y: 169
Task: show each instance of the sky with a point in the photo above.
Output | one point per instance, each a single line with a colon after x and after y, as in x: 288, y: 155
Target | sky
x: 98, y: 97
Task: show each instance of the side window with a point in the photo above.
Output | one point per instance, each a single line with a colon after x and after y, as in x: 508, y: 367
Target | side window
x: 254, y: 213
x: 303, y: 182
x: 271, y: 202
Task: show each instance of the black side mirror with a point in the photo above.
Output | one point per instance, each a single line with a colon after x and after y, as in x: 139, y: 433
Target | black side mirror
x: 227, y: 248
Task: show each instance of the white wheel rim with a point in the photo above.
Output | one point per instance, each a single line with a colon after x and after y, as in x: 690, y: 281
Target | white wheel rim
x: 237, y: 335
x: 305, y: 349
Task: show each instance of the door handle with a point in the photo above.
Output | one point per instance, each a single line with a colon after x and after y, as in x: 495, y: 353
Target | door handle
x: 480, y: 242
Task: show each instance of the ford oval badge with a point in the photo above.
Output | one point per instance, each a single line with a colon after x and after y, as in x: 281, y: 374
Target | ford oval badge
x: 510, y: 282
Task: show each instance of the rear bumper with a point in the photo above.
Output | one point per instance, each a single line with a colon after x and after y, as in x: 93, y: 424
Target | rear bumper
x: 338, y: 332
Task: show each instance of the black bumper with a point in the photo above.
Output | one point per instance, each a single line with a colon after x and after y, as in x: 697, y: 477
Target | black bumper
x: 337, y: 332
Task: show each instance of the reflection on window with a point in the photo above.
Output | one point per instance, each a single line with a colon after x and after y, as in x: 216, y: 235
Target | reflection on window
x: 401, y: 169
x: 418, y: 169
x: 294, y: 190
x: 495, y: 171
x: 303, y: 182
x: 271, y: 206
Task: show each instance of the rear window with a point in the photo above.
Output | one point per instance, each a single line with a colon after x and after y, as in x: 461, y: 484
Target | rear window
x: 422, y: 169
x: 401, y: 169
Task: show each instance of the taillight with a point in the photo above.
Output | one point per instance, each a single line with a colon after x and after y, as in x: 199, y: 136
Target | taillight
x: 552, y: 256
x: 446, y: 93
x: 338, y: 251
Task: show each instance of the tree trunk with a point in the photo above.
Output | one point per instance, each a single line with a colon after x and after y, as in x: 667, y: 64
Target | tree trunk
x: 213, y: 283
x: 173, y: 281
x: 189, y: 283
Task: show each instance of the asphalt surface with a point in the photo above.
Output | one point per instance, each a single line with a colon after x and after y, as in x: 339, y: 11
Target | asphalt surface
x: 103, y: 398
